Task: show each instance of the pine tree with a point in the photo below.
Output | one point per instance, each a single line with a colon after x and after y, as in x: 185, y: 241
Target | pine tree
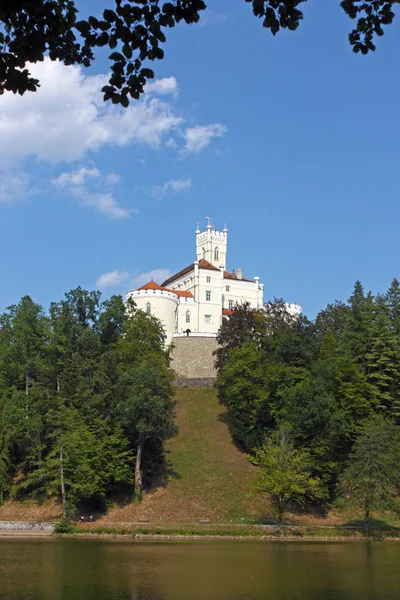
x: 392, y: 299
x: 355, y: 338
x: 371, y: 479
x: 383, y: 358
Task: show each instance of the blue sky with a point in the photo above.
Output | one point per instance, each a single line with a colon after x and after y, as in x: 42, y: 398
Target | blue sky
x: 294, y: 140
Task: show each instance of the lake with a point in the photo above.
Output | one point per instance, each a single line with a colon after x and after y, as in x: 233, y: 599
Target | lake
x: 113, y: 569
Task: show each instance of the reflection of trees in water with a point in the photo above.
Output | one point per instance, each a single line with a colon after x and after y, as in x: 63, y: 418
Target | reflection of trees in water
x: 147, y: 592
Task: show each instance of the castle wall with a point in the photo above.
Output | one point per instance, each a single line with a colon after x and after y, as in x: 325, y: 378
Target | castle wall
x: 192, y: 357
x: 160, y: 304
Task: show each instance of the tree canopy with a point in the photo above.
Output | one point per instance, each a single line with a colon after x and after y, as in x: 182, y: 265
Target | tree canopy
x: 82, y: 388
x: 135, y: 31
x: 323, y: 382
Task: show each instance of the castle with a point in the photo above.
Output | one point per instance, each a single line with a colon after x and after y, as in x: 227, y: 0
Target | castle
x: 194, y: 301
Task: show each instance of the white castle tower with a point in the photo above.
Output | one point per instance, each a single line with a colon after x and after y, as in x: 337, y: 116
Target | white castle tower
x: 194, y: 301
x: 212, y: 245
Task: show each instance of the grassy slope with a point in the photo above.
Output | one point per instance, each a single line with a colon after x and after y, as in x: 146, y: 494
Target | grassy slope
x: 209, y: 478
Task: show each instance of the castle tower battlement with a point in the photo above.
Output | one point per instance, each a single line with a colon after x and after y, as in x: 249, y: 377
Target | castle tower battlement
x: 212, y: 245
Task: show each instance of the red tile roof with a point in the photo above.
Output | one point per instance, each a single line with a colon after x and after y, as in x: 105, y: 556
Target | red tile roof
x: 228, y: 275
x: 179, y: 274
x: 203, y: 264
x: 227, y: 311
x: 182, y: 293
x: 152, y: 285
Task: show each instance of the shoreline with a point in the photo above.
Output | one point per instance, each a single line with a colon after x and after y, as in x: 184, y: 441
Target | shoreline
x: 139, y: 536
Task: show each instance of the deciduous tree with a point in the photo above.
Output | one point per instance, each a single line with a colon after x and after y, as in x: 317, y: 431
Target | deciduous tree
x: 286, y: 475
x: 135, y: 31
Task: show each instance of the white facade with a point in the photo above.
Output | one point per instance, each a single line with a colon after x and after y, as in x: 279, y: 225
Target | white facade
x: 195, y: 300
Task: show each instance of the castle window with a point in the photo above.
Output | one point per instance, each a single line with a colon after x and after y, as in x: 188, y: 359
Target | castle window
x: 208, y: 279
x: 208, y: 296
x: 216, y: 253
x: 148, y: 309
x: 207, y: 319
x: 227, y: 287
x: 204, y: 252
x: 187, y: 317
x: 230, y: 304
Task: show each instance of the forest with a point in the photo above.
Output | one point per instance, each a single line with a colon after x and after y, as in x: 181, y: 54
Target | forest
x: 317, y: 403
x: 86, y: 400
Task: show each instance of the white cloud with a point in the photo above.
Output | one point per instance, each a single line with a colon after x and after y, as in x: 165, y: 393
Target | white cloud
x: 76, y: 182
x: 199, y: 137
x: 112, y: 279
x: 113, y: 178
x: 13, y: 186
x: 157, y: 275
x: 171, y: 143
x: 171, y: 187
x: 164, y: 86
x: 77, y: 177
x: 67, y: 117
x: 117, y: 278
x: 103, y: 202
x: 212, y: 17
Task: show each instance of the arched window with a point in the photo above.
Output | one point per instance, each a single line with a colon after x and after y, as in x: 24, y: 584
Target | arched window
x: 148, y: 309
x: 216, y: 253
x: 204, y: 252
x: 187, y: 316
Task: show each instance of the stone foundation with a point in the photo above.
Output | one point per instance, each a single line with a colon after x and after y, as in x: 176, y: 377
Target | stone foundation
x: 25, y: 526
x: 192, y: 358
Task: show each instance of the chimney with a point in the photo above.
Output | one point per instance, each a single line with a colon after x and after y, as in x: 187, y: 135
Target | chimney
x: 239, y: 274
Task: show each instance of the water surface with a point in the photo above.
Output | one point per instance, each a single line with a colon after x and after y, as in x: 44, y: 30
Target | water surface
x: 102, y: 569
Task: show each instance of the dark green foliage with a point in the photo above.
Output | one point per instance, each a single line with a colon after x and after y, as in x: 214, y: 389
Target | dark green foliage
x: 371, y: 480
x: 286, y: 474
x: 322, y: 382
x: 63, y: 526
x: 67, y: 380
x: 135, y: 31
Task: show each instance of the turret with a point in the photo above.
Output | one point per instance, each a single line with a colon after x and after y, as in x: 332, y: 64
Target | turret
x: 212, y: 245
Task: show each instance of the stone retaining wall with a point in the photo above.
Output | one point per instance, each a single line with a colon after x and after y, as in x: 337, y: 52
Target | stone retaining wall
x: 25, y: 526
x: 192, y: 357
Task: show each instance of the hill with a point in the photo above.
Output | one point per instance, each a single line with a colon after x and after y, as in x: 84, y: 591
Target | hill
x: 208, y: 477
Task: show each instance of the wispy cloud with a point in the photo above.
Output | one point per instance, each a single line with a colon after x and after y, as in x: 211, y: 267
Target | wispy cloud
x: 103, y: 202
x: 171, y: 187
x: 79, y: 184
x: 133, y: 281
x: 199, y: 137
x: 14, y: 186
x: 157, y: 275
x: 163, y: 87
x: 76, y: 177
x: 212, y: 17
x: 112, y: 279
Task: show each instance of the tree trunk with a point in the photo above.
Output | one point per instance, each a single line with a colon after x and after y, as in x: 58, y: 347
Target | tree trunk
x: 62, y: 483
x: 138, y: 462
x: 367, y: 521
x: 26, y: 384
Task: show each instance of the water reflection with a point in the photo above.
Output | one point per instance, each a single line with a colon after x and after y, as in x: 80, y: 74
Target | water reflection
x: 102, y: 569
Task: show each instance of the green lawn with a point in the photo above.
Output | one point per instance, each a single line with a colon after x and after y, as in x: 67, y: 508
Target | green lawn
x: 208, y: 477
